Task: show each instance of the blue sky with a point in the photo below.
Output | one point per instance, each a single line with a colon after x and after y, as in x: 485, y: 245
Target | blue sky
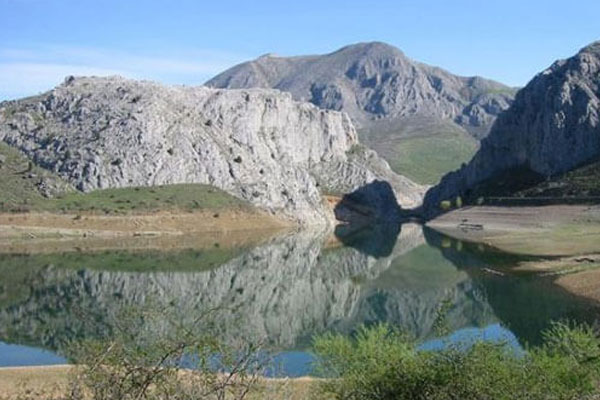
x: 187, y: 42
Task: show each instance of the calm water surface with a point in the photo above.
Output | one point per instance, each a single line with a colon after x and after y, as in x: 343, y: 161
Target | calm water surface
x: 282, y: 292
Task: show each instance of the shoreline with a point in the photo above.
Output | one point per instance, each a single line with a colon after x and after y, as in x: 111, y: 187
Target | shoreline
x: 46, y: 232
x: 566, y: 239
x: 51, y: 382
x: 553, y: 231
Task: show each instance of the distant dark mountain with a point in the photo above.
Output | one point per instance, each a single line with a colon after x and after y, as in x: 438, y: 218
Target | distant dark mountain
x: 389, y: 97
x: 552, y: 127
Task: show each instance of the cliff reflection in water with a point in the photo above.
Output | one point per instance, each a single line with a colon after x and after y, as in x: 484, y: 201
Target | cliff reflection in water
x: 285, y: 290
x: 524, y: 304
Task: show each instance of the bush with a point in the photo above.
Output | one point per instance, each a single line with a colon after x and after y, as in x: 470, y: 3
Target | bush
x: 180, y: 361
x: 381, y: 363
x: 445, y: 205
x: 458, y: 202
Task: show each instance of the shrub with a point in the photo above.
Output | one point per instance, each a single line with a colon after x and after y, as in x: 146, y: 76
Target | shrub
x: 445, y: 205
x: 458, y: 202
x: 180, y: 361
x: 381, y: 363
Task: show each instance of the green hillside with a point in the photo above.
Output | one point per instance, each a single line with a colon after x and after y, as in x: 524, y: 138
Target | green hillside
x: 22, y: 184
x: 426, y: 154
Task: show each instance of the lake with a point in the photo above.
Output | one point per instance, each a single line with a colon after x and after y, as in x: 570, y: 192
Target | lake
x: 282, y: 292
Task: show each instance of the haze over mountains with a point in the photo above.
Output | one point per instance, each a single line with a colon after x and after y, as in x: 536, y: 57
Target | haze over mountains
x: 552, y: 127
x: 390, y: 98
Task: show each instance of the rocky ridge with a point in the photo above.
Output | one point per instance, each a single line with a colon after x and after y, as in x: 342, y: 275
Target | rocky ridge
x: 378, y: 86
x: 259, y: 145
x: 552, y: 127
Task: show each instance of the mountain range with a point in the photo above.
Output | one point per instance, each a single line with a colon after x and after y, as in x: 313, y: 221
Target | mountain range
x: 284, y: 155
x: 396, y: 103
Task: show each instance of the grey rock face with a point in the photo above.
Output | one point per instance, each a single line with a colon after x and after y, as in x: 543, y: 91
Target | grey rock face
x: 552, y: 127
x: 258, y: 145
x: 374, y: 82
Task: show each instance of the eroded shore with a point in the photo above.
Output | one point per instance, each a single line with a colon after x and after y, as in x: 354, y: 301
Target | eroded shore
x: 565, y: 239
x: 51, y: 232
x: 544, y: 231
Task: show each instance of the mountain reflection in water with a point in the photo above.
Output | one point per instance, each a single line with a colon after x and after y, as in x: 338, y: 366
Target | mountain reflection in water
x: 283, y: 291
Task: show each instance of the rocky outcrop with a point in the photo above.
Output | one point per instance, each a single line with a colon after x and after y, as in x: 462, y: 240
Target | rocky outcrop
x: 552, y: 127
x: 258, y: 145
x: 375, y: 83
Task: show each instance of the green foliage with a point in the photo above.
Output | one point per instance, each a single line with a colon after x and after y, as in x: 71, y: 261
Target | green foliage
x: 180, y: 197
x: 381, y: 363
x: 426, y: 159
x: 458, y: 202
x: 445, y: 205
x: 580, y: 182
x: 368, y: 364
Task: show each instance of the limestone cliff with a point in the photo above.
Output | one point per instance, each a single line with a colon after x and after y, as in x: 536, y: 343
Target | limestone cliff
x: 258, y: 145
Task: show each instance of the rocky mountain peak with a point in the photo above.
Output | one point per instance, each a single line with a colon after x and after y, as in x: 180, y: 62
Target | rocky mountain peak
x: 592, y: 48
x: 373, y: 50
x: 374, y: 81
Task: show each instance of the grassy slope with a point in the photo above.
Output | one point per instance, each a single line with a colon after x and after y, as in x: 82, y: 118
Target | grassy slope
x: 18, y: 182
x: 181, y: 197
x: 426, y: 154
x: 427, y: 159
x: 19, y: 192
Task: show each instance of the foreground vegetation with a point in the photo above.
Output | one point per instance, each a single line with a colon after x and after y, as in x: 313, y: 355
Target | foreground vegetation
x: 149, y: 353
x: 382, y: 363
x: 377, y: 363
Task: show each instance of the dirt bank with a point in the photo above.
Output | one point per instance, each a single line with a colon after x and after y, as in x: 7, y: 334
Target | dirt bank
x: 566, y: 237
x: 545, y: 231
x: 51, y: 382
x: 48, y: 232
